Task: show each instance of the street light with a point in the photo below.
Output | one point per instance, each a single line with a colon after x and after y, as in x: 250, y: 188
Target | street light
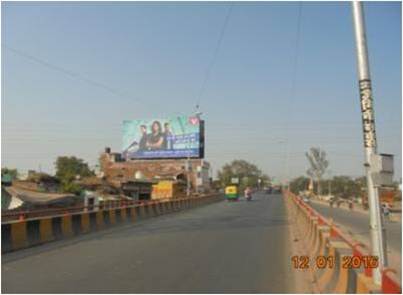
x: 378, y: 242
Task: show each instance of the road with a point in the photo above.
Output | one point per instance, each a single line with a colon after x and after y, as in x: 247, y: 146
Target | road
x: 357, y: 223
x: 237, y: 247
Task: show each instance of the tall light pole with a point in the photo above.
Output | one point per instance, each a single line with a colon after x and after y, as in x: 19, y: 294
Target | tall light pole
x: 368, y: 121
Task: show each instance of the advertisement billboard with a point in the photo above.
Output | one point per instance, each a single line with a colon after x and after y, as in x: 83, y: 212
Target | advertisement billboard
x: 176, y: 137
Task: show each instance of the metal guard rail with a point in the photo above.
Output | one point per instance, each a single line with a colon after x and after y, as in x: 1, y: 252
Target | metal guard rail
x: 28, y: 214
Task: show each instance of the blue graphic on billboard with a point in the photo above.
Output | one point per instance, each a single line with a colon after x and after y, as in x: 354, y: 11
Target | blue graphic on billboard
x: 177, y: 137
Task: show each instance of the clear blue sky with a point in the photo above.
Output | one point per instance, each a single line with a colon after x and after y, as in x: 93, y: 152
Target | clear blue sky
x: 143, y: 60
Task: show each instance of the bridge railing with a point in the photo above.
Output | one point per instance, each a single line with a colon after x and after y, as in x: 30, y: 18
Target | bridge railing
x: 112, y: 204
x: 56, y: 225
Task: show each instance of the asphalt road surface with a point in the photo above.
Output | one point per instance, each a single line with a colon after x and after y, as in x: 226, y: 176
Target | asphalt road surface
x: 225, y: 247
x: 357, y: 223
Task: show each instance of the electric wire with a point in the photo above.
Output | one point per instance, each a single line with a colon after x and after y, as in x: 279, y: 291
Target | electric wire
x: 73, y: 75
x: 293, y: 89
x: 214, y: 57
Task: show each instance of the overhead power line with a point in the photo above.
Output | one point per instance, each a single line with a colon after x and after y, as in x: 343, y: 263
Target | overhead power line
x: 72, y: 74
x: 214, y: 57
x: 293, y: 86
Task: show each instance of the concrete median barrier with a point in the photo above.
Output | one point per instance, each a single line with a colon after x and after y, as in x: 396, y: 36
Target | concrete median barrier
x: 22, y: 234
x: 337, y: 259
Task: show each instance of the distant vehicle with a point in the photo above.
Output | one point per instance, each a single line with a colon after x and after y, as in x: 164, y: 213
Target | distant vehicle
x: 327, y: 198
x: 268, y: 190
x: 273, y: 190
x: 248, y: 194
x: 231, y: 193
x: 306, y: 200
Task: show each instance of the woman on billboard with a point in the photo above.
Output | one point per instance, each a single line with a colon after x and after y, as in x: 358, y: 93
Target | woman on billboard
x: 155, y: 139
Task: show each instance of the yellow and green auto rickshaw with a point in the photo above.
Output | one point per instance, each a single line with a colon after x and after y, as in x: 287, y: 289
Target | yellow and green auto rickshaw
x: 231, y: 193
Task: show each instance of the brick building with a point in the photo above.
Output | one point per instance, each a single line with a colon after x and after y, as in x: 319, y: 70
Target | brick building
x: 115, y: 168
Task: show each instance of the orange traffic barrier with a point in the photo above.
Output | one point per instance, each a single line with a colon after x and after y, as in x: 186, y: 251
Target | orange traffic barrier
x: 325, y: 240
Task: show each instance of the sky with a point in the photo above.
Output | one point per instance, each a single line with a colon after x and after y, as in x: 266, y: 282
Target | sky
x: 279, y: 78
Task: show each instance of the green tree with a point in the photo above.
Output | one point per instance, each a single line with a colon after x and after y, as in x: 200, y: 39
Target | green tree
x: 319, y: 164
x: 346, y: 187
x: 12, y: 172
x: 68, y: 169
x: 247, y: 173
x: 299, y: 184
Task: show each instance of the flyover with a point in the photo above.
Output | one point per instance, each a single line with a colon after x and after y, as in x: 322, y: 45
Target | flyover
x: 224, y: 247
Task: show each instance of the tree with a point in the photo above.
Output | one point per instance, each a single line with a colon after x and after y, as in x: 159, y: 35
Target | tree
x: 12, y: 172
x: 68, y: 169
x: 345, y: 187
x: 299, y: 184
x: 247, y: 173
x: 319, y: 164
x: 342, y: 186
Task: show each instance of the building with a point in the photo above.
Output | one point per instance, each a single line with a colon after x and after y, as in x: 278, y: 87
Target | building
x: 117, y: 188
x: 116, y: 169
x: 37, y: 181
x: 137, y: 189
x: 169, y: 189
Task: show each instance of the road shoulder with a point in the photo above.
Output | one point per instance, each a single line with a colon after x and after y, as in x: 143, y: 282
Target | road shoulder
x: 303, y: 278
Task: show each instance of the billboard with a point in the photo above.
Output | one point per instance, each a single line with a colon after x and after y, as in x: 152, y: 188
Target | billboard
x: 176, y: 137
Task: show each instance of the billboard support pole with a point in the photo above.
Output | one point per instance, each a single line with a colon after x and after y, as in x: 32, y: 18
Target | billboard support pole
x: 188, y: 176
x: 378, y: 244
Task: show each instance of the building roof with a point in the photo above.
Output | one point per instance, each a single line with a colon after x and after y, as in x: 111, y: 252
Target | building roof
x: 42, y: 177
x: 91, y: 181
x: 38, y: 197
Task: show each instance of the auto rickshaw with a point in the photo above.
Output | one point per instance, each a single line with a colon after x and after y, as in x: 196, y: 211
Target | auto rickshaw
x: 231, y: 193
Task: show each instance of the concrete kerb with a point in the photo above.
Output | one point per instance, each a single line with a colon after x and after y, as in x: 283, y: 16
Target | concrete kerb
x: 323, y: 241
x: 320, y: 241
x: 313, y: 237
x: 338, y: 278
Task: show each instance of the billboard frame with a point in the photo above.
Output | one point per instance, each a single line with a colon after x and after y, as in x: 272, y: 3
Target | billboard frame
x: 201, y: 148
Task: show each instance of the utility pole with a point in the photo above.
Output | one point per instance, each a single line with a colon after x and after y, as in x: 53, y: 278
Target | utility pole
x: 188, y: 176
x: 188, y: 165
x: 378, y: 243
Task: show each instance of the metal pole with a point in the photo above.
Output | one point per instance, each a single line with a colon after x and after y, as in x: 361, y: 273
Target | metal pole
x: 378, y: 244
x: 286, y: 166
x: 188, y: 176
